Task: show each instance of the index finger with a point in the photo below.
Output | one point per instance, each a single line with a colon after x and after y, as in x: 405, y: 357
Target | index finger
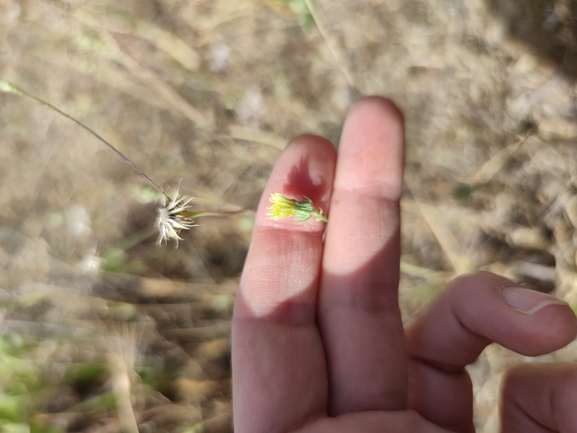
x: 279, y: 371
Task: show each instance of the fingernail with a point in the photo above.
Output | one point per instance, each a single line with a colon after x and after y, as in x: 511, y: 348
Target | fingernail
x: 527, y: 301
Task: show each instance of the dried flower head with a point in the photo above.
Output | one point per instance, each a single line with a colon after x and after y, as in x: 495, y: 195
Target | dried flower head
x: 301, y: 210
x: 173, y: 216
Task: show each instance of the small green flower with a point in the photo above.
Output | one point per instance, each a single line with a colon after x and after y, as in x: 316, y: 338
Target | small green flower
x: 301, y: 210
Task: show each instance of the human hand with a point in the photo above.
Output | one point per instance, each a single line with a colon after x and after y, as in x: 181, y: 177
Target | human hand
x: 318, y: 344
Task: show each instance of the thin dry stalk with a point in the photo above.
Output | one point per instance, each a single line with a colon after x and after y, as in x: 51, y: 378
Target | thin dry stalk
x: 7, y: 87
x: 437, y: 222
x: 167, y: 42
x: 144, y: 75
x: 124, y: 346
x: 494, y: 164
x: 334, y: 47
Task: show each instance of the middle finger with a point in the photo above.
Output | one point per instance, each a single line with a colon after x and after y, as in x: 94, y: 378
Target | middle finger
x: 358, y: 310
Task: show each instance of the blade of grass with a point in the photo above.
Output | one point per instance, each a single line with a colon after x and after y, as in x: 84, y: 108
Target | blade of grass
x: 111, y: 49
x: 163, y: 40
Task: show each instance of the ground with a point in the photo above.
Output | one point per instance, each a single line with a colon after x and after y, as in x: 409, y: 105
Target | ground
x: 104, y: 331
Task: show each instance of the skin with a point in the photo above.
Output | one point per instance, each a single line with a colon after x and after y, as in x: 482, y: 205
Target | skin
x: 318, y: 344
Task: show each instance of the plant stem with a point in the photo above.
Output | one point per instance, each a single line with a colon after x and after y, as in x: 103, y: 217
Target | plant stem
x: 320, y: 216
x: 7, y: 87
x: 205, y: 213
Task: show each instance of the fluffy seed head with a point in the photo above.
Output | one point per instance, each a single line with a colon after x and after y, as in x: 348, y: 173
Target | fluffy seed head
x: 173, y: 216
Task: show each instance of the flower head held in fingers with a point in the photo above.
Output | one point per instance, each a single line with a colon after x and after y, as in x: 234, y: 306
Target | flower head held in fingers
x: 301, y: 210
x: 173, y: 216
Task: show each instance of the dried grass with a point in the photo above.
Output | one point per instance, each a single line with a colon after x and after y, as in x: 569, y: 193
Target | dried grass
x: 209, y: 92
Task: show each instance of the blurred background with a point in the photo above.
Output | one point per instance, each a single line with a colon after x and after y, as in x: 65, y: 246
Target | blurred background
x: 103, y: 331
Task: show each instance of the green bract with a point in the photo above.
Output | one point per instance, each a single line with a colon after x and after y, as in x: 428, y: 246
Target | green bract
x: 300, y: 210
